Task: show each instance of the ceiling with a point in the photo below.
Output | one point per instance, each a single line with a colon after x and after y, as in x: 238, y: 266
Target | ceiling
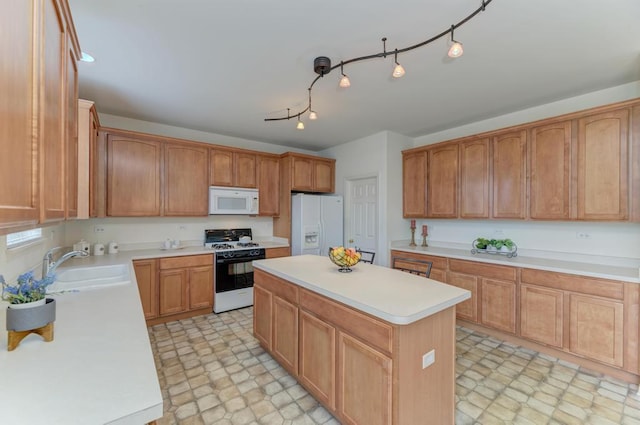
x: 224, y: 66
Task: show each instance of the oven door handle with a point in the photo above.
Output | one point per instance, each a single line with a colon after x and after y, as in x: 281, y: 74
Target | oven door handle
x: 236, y: 260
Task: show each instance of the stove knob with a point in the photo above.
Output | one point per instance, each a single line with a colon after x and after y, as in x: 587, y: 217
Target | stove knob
x: 229, y: 254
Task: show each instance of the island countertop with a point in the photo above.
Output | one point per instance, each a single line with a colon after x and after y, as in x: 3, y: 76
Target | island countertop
x: 391, y: 295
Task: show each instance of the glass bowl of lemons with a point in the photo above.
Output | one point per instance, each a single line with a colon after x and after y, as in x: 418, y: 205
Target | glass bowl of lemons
x: 344, y: 258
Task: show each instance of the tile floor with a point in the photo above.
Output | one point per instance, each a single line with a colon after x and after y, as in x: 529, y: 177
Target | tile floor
x: 212, y: 371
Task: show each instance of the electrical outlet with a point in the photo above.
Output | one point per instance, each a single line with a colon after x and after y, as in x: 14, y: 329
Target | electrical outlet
x: 583, y: 235
x: 182, y: 228
x: 498, y: 233
x: 98, y: 229
x: 429, y: 359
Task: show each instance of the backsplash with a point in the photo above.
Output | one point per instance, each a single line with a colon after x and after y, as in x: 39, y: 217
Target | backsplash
x: 143, y: 233
x: 586, y: 238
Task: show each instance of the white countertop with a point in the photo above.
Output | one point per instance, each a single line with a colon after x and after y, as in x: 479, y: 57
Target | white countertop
x: 98, y: 369
x: 391, y: 295
x: 593, y: 269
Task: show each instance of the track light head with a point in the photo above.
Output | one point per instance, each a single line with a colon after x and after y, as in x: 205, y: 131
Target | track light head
x: 456, y: 48
x: 344, y: 81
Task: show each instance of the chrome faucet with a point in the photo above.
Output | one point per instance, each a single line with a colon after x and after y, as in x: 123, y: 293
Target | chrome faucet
x: 49, y: 266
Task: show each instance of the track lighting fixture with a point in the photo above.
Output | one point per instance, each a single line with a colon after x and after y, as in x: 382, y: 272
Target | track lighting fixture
x: 322, y: 64
x: 398, y: 70
x: 344, y: 81
x: 456, y: 48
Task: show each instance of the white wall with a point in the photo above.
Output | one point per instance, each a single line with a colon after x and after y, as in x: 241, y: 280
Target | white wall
x: 114, y: 121
x: 143, y: 233
x: 376, y: 155
x: 14, y: 262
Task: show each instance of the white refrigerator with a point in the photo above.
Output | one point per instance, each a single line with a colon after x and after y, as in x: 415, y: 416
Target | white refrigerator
x: 316, y: 223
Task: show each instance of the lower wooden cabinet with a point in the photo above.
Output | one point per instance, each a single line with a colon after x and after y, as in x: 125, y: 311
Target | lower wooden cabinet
x: 278, y: 252
x: 317, y: 366
x: 583, y: 317
x: 173, y: 288
x: 493, y: 293
x: 498, y: 304
x: 466, y: 310
x: 596, y: 329
x: 285, y: 334
x: 146, y: 276
x: 262, y: 316
x: 542, y: 315
x: 364, y: 383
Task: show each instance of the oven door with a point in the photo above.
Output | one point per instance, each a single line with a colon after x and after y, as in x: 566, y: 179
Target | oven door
x: 233, y: 273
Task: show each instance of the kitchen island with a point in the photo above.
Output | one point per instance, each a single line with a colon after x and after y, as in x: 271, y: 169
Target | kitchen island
x: 374, y: 346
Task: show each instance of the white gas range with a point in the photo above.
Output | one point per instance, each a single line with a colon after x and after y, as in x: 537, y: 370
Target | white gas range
x: 233, y: 270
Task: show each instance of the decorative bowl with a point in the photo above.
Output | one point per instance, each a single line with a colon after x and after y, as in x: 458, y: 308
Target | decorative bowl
x: 344, y: 258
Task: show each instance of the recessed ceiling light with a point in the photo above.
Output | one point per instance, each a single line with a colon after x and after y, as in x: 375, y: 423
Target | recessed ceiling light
x: 87, y: 57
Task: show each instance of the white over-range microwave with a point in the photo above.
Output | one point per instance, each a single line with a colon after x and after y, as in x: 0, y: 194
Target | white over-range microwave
x: 233, y: 200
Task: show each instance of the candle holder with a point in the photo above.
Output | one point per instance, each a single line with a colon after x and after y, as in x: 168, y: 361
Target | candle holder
x: 413, y: 237
x: 424, y: 240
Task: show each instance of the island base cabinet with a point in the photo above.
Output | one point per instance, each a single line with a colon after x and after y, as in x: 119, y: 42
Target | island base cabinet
x: 364, y: 383
x: 285, y: 334
x: 262, y: 316
x: 318, y: 359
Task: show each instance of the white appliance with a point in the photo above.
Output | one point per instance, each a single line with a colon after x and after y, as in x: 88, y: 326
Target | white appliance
x: 316, y: 223
x: 233, y: 200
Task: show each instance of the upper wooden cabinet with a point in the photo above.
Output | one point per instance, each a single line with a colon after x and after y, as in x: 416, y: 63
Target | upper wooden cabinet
x: 18, y: 137
x: 38, y: 82
x: 232, y: 168
x: 311, y: 173
x: 603, y: 173
x: 579, y: 166
x: 268, y: 174
x: 414, y: 184
x: 509, y: 178
x: 474, y: 178
x: 186, y: 188
x: 133, y: 177
x: 550, y: 153
x: 52, y: 113
x: 442, y: 181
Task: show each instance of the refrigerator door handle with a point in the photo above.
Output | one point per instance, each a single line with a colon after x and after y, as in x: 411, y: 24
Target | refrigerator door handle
x: 321, y: 238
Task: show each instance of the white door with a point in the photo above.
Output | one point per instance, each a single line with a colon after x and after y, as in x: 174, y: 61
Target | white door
x: 362, y: 221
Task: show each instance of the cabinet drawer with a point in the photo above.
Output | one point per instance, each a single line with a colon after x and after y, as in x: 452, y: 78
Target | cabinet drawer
x: 581, y: 284
x: 275, y: 285
x: 374, y: 332
x: 187, y: 261
x: 277, y: 252
x: 438, y: 262
x: 483, y: 269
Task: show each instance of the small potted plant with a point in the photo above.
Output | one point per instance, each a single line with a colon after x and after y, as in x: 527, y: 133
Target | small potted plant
x: 29, y: 308
x: 27, y: 292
